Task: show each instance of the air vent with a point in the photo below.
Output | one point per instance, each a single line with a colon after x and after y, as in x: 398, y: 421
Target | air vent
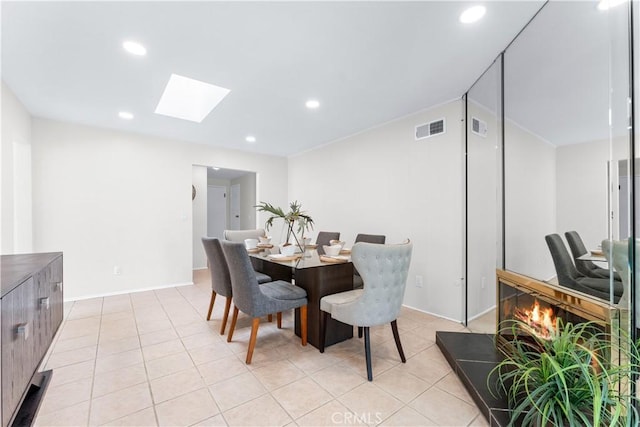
x: 478, y: 127
x: 433, y: 128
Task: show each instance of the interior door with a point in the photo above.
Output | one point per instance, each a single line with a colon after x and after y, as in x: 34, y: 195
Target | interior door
x: 235, y: 207
x: 216, y: 211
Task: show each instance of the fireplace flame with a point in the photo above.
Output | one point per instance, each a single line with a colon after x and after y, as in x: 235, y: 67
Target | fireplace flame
x: 540, y: 322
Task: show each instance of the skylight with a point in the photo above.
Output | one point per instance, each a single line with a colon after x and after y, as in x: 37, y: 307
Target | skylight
x: 189, y: 99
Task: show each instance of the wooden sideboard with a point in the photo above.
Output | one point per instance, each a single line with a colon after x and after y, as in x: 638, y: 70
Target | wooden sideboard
x: 31, y: 313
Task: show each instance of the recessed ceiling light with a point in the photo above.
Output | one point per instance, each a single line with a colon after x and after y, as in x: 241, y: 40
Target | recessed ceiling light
x: 472, y: 14
x: 250, y: 138
x: 125, y: 115
x: 189, y: 99
x: 134, y: 48
x: 312, y: 104
x: 608, y: 4
x: 215, y: 168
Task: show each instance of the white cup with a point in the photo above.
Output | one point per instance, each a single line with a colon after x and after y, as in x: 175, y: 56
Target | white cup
x: 250, y: 243
x: 288, y: 250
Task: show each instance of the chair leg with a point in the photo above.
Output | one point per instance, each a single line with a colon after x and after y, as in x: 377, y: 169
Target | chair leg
x: 367, y: 353
x: 359, y: 331
x: 279, y: 319
x: 234, y: 319
x: 324, y: 318
x: 396, y: 336
x: 213, y: 298
x: 252, y: 341
x: 303, y: 324
x: 227, y: 306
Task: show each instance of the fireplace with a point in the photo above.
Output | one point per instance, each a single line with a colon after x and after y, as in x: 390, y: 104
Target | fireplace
x: 538, y: 304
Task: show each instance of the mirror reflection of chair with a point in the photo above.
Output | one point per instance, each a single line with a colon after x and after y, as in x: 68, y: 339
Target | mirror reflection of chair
x: 324, y: 237
x: 220, y: 278
x: 367, y: 238
x: 569, y: 276
x: 260, y: 300
x: 241, y: 235
x: 384, y: 269
x: 585, y: 267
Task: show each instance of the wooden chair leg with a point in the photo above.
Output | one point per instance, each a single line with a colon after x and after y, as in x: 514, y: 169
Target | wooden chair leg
x: 303, y: 324
x: 252, y: 341
x: 324, y: 318
x: 359, y: 331
x: 234, y: 319
x: 227, y: 306
x: 396, y: 337
x: 367, y: 353
x: 279, y: 319
x: 213, y: 298
x: 270, y: 317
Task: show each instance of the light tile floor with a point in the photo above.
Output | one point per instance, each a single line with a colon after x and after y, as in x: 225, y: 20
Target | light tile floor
x: 151, y: 359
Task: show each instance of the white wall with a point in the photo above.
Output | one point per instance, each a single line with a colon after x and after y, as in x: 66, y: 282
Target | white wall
x: 483, y: 166
x: 382, y: 181
x: 16, y: 190
x: 530, y: 202
x: 247, y: 200
x: 108, y: 198
x: 582, y: 187
x: 199, y: 211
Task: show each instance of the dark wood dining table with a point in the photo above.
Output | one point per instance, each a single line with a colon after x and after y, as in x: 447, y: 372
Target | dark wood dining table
x: 319, y: 279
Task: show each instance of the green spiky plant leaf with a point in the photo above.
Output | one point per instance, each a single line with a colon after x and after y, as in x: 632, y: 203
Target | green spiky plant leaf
x: 567, y: 380
x: 294, y: 217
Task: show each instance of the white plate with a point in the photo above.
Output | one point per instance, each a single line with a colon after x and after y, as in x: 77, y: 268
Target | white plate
x: 277, y: 256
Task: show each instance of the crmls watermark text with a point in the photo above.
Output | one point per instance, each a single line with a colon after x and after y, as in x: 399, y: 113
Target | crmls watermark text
x: 351, y: 418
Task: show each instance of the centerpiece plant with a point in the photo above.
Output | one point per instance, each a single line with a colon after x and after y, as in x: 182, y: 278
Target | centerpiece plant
x: 579, y: 376
x: 294, y: 218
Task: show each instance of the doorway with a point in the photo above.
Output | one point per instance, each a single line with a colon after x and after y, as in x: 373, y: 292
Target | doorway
x: 216, y: 211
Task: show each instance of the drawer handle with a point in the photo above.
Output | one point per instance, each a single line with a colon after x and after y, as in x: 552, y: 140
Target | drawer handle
x: 22, y: 330
x: 58, y: 286
x: 44, y: 303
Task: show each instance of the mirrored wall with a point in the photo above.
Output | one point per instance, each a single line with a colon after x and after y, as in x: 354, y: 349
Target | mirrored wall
x: 554, y: 108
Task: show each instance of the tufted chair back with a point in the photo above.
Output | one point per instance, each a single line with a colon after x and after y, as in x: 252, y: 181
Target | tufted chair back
x: 384, y: 270
x: 220, y: 278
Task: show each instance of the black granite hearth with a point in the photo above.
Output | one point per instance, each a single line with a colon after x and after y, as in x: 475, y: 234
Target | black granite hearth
x: 472, y: 357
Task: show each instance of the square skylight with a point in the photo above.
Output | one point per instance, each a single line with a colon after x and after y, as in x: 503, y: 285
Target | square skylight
x: 189, y: 99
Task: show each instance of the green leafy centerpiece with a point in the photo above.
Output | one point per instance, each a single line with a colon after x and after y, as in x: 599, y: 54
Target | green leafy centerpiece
x: 294, y: 218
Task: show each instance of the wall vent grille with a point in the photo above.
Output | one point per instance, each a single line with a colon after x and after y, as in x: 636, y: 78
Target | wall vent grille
x: 479, y: 127
x: 430, y: 129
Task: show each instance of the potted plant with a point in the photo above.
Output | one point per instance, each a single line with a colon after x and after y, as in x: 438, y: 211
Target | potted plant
x: 568, y: 379
x: 294, y: 218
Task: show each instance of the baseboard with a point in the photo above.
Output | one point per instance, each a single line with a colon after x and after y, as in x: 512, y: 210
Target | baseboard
x: 493, y: 307
x: 432, y: 314
x: 128, y: 291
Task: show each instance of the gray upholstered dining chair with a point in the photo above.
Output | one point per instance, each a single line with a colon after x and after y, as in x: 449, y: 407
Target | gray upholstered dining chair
x: 260, y: 300
x: 568, y: 275
x: 324, y: 237
x: 220, y: 278
x: 241, y: 235
x: 384, y: 269
x: 586, y: 268
x: 367, y: 238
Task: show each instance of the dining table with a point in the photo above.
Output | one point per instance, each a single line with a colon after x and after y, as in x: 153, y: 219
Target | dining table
x: 319, y: 275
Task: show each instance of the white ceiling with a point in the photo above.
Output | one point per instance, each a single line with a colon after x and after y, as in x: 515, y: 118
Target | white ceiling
x: 367, y: 63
